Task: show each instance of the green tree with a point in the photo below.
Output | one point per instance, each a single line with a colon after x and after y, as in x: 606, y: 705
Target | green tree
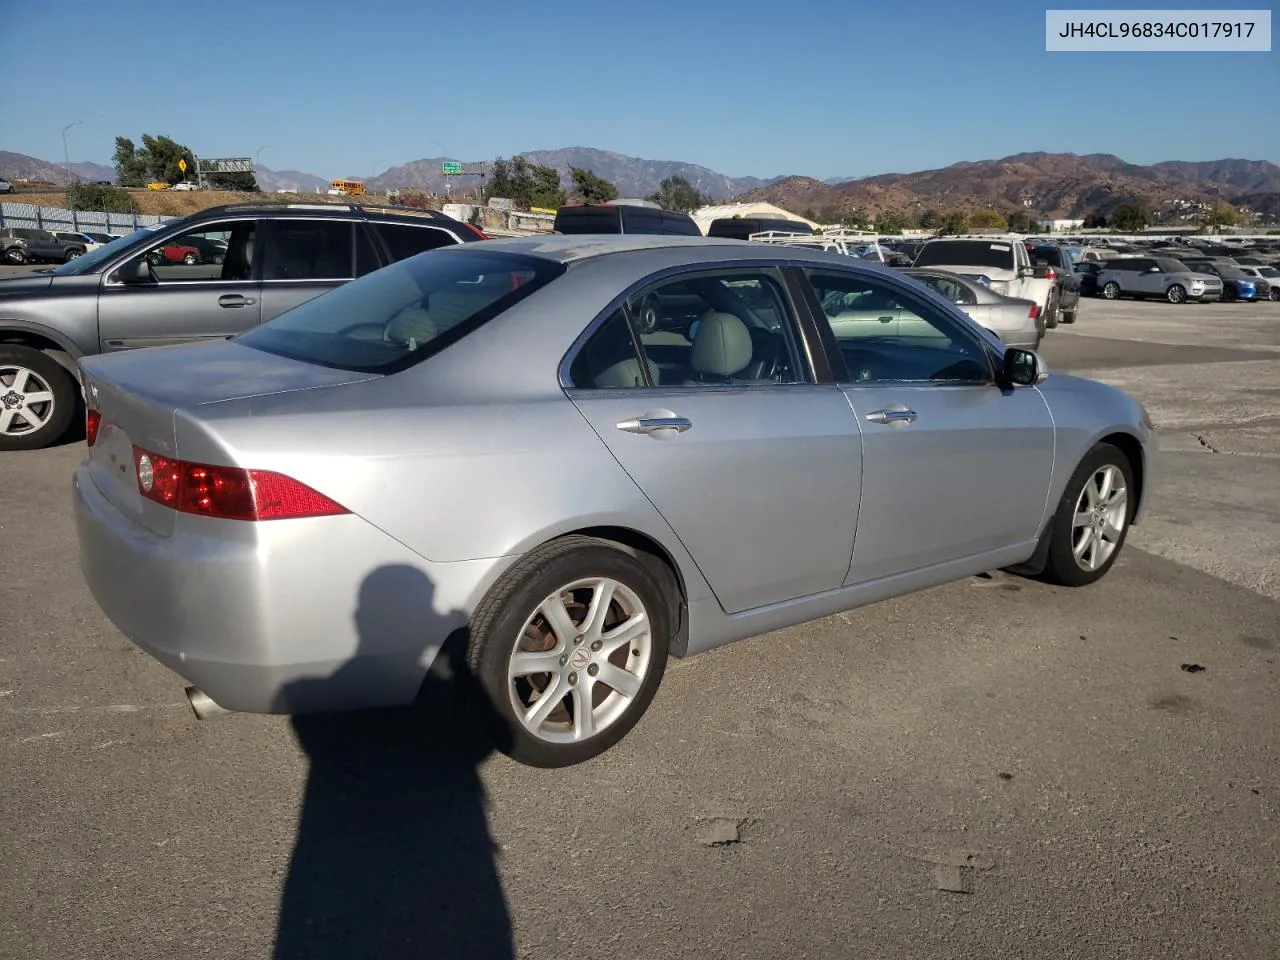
x: 1095, y: 221
x: 544, y: 187
x: 131, y: 166
x: 953, y: 224
x: 1019, y: 222
x: 101, y: 198
x: 1130, y: 217
x: 929, y: 219
x: 677, y: 193
x: 1221, y: 215
x: 890, y: 223
x: 245, y: 182
x: 590, y: 188
x: 987, y: 219
x: 500, y: 182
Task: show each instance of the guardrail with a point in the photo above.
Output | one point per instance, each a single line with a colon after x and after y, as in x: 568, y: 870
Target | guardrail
x: 56, y: 218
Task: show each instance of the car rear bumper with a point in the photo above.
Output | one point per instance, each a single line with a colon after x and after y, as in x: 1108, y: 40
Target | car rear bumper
x: 292, y: 616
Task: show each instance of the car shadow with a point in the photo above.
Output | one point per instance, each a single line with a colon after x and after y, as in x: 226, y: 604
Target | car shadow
x: 393, y: 857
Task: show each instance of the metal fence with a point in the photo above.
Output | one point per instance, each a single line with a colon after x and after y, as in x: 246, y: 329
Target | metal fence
x: 55, y: 218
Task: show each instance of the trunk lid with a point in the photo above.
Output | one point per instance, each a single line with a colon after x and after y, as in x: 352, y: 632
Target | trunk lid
x: 136, y: 393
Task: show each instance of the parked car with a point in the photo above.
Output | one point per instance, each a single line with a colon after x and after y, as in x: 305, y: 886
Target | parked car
x: 579, y: 218
x: 1058, y: 268
x: 76, y: 238
x: 1267, y: 280
x: 1087, y: 271
x: 28, y: 245
x: 741, y: 228
x: 131, y: 293
x: 1236, y: 284
x: 6, y: 186
x: 1004, y: 261
x: 1163, y: 277
x: 1017, y: 322
x: 762, y: 471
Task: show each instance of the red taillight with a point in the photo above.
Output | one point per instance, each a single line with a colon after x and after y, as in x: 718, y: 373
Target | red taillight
x: 92, y: 421
x: 476, y: 230
x: 228, y: 493
x: 1034, y: 311
x: 1051, y: 274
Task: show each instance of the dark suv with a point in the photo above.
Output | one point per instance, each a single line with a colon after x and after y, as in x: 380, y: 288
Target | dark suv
x: 1057, y: 258
x: 208, y: 276
x: 26, y: 244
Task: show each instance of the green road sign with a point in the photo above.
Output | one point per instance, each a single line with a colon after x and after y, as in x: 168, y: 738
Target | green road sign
x: 450, y: 166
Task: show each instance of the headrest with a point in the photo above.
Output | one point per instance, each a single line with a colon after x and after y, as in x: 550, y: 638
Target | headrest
x: 722, y: 346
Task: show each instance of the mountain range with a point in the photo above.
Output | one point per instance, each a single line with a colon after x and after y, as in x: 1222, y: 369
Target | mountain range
x: 1045, y: 184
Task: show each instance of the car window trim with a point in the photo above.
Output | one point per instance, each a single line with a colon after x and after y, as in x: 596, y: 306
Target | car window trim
x: 254, y: 270
x: 831, y: 344
x: 621, y: 301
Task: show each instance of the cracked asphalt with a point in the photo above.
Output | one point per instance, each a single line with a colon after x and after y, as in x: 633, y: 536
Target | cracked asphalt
x: 994, y: 768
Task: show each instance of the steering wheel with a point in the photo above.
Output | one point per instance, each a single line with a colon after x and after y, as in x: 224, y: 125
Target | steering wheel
x: 766, y: 350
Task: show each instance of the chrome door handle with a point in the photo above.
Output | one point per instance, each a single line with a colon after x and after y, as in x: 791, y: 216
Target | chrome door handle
x: 892, y: 415
x: 652, y: 425
x: 235, y: 300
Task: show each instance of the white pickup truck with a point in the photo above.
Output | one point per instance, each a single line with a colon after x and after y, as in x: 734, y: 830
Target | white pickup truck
x: 1002, y: 260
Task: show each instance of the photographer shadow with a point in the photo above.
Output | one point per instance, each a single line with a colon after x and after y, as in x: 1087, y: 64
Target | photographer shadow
x: 393, y: 857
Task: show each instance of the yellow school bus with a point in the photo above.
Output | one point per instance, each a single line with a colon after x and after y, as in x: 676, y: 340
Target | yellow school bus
x: 352, y: 188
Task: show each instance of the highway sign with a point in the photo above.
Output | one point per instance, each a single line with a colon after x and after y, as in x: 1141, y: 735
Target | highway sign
x: 451, y: 167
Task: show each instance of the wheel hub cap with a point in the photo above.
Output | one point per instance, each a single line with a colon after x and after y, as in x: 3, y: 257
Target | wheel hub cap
x: 12, y: 400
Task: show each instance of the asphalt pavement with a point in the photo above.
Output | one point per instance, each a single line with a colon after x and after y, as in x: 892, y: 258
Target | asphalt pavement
x: 993, y: 768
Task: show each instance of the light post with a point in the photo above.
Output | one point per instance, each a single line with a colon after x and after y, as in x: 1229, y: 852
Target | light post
x: 66, y: 154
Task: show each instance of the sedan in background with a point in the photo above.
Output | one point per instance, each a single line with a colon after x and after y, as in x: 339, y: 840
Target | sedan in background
x: 1267, y: 280
x: 1015, y: 321
x: 1236, y: 284
x: 476, y: 455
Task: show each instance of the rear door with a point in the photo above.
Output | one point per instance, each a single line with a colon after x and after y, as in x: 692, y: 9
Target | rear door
x: 218, y: 296
x: 723, y: 425
x: 952, y: 465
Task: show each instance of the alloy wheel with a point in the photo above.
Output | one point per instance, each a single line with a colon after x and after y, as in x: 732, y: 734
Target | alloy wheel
x: 26, y: 401
x: 1100, y: 516
x: 580, y: 661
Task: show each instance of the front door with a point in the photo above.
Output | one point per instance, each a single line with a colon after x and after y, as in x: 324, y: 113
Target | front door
x: 953, y: 465
x: 203, y: 286
x: 718, y: 421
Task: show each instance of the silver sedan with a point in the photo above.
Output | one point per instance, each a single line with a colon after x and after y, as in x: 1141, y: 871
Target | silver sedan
x: 477, y: 450
x: 1014, y: 320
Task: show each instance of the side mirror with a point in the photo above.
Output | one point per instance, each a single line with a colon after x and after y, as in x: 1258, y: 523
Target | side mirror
x: 1153, y: 270
x: 135, y: 273
x: 1023, y: 368
x: 1026, y: 271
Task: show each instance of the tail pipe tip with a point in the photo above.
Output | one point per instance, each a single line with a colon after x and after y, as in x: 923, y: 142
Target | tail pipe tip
x: 203, y: 705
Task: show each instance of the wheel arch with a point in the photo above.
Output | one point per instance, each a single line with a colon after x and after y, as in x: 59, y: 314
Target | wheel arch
x: 1134, y: 452
x: 24, y: 334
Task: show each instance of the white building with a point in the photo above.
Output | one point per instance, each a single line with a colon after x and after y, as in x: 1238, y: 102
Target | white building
x: 1058, y: 226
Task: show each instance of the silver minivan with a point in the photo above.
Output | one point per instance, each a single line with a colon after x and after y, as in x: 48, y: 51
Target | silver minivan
x: 1163, y: 277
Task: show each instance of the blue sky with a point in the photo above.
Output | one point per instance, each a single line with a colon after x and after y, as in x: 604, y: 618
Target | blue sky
x: 747, y: 88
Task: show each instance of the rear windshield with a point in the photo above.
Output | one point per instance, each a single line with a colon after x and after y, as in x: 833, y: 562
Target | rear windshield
x: 589, y: 220
x: 969, y: 253
x: 402, y: 314
x: 1055, y: 256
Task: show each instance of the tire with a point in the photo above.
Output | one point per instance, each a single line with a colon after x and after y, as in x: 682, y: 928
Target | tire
x: 510, y: 615
x: 1062, y: 567
x: 1176, y: 293
x: 1051, y: 311
x: 190, y: 259
x: 72, y: 254
x: 1275, y: 293
x: 28, y: 425
x: 16, y: 255
x: 1069, y: 317
x: 1111, y: 291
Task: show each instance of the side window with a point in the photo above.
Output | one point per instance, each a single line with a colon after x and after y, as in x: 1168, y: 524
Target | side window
x: 310, y: 250
x: 219, y: 251
x: 609, y: 359
x: 718, y: 329
x: 886, y: 335
x: 405, y: 241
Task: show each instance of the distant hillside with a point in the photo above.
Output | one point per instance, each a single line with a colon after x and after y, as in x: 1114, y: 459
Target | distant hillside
x: 18, y: 166
x: 633, y: 176
x: 273, y: 180
x: 1044, y: 184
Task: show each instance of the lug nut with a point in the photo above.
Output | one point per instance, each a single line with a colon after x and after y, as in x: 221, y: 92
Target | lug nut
x: 564, y: 658
x: 573, y: 678
x: 593, y: 669
x: 597, y: 644
x: 578, y: 640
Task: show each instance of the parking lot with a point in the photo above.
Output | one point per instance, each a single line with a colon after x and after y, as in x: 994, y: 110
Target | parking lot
x: 994, y: 768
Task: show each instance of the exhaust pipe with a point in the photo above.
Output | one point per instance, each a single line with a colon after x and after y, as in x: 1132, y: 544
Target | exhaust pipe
x: 203, y: 705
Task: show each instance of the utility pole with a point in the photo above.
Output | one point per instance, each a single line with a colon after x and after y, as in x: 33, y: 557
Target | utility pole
x: 66, y: 154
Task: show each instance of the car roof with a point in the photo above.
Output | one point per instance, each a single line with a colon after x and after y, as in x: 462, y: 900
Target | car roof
x: 360, y: 211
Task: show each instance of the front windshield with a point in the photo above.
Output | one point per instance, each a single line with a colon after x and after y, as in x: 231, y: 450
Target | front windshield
x: 89, y: 262
x: 1230, y: 270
